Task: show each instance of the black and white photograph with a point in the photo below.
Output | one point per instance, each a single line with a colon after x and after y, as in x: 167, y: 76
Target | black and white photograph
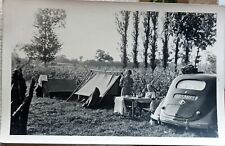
x: 111, y: 69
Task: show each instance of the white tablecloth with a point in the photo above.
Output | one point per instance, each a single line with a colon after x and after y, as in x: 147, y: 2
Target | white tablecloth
x: 119, y: 106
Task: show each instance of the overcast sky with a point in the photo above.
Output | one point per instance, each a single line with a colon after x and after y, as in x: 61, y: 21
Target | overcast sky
x: 87, y: 29
x: 89, y: 26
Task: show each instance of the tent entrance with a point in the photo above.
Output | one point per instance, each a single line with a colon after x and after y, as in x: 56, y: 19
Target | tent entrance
x: 108, y: 85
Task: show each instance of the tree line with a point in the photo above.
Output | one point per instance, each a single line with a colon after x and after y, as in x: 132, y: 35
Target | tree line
x: 181, y: 29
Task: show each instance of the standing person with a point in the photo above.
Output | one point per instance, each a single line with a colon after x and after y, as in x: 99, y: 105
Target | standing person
x: 18, y: 91
x: 126, y: 83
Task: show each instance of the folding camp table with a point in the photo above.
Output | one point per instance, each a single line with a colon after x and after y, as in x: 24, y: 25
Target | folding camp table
x: 135, y: 100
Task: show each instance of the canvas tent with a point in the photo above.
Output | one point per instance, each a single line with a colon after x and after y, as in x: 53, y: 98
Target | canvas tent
x: 56, y: 87
x: 60, y: 87
x: 108, y: 85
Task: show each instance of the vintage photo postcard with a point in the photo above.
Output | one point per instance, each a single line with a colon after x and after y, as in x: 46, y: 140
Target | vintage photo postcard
x: 112, y: 73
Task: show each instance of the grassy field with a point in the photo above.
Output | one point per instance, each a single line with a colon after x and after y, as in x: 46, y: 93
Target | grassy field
x: 58, y: 117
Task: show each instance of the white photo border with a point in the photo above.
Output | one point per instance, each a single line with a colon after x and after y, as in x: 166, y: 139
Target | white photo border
x: 6, y: 77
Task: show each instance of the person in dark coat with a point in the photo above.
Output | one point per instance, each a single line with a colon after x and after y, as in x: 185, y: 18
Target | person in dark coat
x: 126, y: 83
x: 18, y: 93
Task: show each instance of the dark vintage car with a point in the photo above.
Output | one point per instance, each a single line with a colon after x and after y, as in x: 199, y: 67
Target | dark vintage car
x: 190, y: 102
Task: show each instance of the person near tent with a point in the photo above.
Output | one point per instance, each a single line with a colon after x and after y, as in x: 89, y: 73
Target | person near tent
x: 126, y: 83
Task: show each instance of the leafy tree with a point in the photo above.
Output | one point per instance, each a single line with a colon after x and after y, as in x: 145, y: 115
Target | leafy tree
x: 187, y: 28
x: 102, y: 56
x: 81, y: 58
x: 146, y: 38
x: 176, y: 23
x: 177, y: 19
x: 30, y: 51
x: 205, y: 35
x: 198, y: 30
x: 135, y: 35
x: 122, y: 21
x: 154, y: 18
x: 192, y: 30
x: 46, y: 43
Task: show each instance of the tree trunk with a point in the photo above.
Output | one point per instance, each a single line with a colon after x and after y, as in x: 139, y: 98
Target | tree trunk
x: 146, y: 24
x: 165, y: 52
x: 197, y: 57
x: 135, y: 36
x: 165, y: 42
x: 187, y: 51
x: 176, y: 53
x: 45, y: 63
x: 154, y: 42
x: 126, y: 19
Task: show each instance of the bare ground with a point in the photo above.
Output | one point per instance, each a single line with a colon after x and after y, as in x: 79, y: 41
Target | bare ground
x: 58, y: 117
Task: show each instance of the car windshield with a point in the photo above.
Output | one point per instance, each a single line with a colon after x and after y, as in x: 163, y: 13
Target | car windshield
x: 191, y: 84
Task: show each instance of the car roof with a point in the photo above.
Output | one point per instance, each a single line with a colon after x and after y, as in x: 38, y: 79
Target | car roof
x: 198, y: 76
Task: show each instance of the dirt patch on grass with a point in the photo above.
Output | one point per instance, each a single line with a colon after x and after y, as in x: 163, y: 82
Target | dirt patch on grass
x: 58, y: 117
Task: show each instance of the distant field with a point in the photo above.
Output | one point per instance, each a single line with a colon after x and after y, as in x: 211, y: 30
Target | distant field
x: 58, y: 117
